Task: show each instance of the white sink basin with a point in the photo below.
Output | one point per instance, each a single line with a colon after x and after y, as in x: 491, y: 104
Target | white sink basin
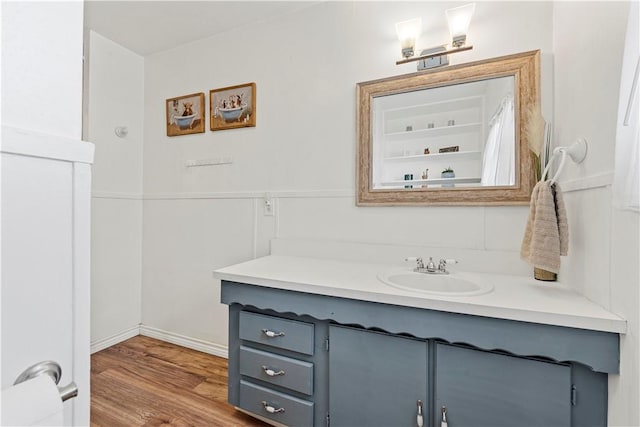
x: 453, y: 284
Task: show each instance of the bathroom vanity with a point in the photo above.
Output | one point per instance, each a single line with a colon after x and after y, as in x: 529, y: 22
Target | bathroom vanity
x: 317, y: 342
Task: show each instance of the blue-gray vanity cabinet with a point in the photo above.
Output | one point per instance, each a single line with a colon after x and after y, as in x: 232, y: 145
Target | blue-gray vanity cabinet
x: 277, y: 332
x: 283, y: 371
x: 376, y: 379
x: 274, y: 360
x: 480, y: 388
x: 277, y: 406
x: 352, y: 363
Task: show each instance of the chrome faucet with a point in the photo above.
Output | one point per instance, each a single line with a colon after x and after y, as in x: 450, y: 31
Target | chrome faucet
x: 431, y: 268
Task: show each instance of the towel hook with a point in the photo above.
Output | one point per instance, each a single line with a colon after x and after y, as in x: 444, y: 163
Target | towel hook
x: 577, y: 152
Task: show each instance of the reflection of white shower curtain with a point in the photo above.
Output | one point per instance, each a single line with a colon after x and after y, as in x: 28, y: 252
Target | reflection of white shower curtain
x: 498, y: 163
x: 626, y: 181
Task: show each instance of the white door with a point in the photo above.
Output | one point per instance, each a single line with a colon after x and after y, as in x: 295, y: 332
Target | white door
x: 45, y: 260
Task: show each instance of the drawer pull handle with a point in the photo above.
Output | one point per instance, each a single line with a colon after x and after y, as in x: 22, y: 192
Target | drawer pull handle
x: 272, y: 334
x: 271, y: 372
x: 271, y: 409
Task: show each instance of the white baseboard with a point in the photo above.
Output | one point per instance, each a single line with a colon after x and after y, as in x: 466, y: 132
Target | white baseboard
x: 184, y: 341
x: 131, y: 332
x: 159, y: 334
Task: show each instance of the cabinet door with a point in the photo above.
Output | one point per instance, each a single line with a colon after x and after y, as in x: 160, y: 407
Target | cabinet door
x: 479, y: 388
x: 375, y: 379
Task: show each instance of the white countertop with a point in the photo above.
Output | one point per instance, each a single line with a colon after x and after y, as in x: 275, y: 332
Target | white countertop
x: 513, y: 297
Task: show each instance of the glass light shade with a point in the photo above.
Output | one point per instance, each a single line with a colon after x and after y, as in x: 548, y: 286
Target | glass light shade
x: 459, y: 19
x: 408, y: 32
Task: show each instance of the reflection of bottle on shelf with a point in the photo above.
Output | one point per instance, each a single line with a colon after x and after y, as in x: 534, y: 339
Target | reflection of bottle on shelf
x: 408, y: 177
x: 425, y: 174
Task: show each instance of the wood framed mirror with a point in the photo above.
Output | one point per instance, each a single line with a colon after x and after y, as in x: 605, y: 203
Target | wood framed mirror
x: 449, y: 136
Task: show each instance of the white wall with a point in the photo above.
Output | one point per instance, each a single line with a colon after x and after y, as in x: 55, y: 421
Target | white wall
x: 114, y: 97
x: 302, y: 152
x: 603, y: 248
x: 32, y: 44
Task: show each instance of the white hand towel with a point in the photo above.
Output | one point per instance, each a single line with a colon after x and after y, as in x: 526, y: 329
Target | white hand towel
x: 546, y: 236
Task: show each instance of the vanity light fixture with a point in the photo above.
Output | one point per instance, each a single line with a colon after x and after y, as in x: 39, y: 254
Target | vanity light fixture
x: 458, y: 18
x: 408, y: 32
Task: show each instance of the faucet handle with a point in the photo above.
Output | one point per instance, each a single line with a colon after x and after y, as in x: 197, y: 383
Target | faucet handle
x: 442, y: 265
x: 417, y: 260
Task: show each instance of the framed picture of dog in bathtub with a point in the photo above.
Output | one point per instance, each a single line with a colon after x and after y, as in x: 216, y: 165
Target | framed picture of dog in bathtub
x: 185, y: 114
x: 233, y: 107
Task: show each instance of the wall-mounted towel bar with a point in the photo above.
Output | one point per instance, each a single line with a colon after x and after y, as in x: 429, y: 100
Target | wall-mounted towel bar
x: 576, y: 151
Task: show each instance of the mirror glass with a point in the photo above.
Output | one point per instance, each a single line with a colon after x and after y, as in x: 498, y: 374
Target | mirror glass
x: 454, y: 135
x: 467, y: 128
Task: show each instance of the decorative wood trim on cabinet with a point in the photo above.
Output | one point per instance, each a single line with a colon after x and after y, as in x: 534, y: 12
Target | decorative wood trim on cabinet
x: 596, y: 349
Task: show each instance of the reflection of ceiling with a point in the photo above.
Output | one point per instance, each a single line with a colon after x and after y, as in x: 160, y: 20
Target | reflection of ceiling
x: 493, y: 89
x: 147, y: 27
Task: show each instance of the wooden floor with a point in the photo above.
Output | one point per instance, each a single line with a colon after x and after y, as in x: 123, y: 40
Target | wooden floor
x: 146, y: 382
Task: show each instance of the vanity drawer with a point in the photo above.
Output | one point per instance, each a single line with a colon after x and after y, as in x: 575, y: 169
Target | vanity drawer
x: 277, y: 332
x: 275, y: 369
x: 276, y: 406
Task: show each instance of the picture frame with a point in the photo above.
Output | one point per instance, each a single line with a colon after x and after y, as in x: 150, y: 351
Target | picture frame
x: 232, y: 107
x: 185, y: 114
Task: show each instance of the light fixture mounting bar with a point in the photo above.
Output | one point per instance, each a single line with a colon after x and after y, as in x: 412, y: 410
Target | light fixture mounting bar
x: 433, y: 55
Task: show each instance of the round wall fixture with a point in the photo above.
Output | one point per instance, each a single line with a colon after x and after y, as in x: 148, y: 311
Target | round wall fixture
x: 121, y: 131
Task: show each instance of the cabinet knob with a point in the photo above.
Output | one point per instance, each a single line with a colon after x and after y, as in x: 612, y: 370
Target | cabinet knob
x: 419, y: 417
x: 272, y: 334
x: 444, y: 423
x: 271, y: 409
x: 271, y: 372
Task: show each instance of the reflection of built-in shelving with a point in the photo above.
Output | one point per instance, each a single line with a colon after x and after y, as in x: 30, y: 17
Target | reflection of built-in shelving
x: 405, y: 128
x: 418, y: 116
x: 438, y: 156
x: 433, y: 132
x: 416, y: 183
